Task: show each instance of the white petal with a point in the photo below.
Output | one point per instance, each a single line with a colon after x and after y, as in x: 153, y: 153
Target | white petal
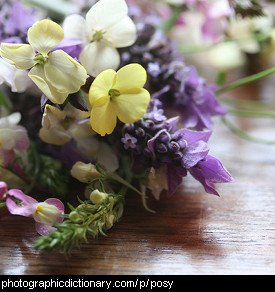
x: 7, y: 74
x: 54, y: 136
x: 37, y: 75
x: 107, y: 158
x: 74, y: 27
x: 17, y: 79
x: 22, y: 80
x: 122, y: 34
x: 106, y: 13
x: 97, y: 57
x: 11, y: 120
x: 64, y: 73
x: 20, y: 55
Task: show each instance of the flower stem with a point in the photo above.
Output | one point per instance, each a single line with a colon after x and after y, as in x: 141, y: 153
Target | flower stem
x: 244, y: 135
x: 246, y: 80
x: 251, y: 114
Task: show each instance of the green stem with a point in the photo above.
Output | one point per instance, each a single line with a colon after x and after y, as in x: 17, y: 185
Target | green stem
x: 4, y: 102
x: 2, y: 204
x: 251, y: 114
x: 36, y: 170
x: 246, y: 80
x: 168, y: 24
x: 244, y: 135
x: 248, y: 104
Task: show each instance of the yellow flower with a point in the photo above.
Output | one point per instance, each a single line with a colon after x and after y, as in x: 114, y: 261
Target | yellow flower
x: 118, y: 95
x: 54, y: 72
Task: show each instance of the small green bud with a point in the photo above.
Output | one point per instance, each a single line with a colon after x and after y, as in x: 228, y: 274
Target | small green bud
x: 98, y: 197
x: 75, y: 217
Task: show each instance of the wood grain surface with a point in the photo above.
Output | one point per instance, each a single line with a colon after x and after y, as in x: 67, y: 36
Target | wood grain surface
x: 191, y: 233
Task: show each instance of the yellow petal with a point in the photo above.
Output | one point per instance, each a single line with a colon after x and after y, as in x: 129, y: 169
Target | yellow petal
x: 37, y: 75
x: 64, y: 73
x: 45, y: 35
x: 103, y: 119
x: 99, y: 90
x: 132, y: 106
x: 130, y: 76
x: 20, y: 55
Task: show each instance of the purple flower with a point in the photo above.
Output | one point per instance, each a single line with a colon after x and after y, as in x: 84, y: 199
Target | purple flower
x: 196, y: 101
x: 210, y: 171
x: 15, y: 21
x: 46, y: 214
x: 129, y: 141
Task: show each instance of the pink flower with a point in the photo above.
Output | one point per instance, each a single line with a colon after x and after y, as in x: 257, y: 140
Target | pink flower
x: 3, y: 190
x: 12, y: 137
x: 46, y: 214
x: 216, y: 14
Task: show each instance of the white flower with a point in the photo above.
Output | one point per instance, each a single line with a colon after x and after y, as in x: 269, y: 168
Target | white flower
x: 84, y: 172
x: 157, y: 181
x: 54, y: 72
x: 16, y: 79
x: 107, y: 26
x: 243, y: 31
x: 59, y: 127
x: 12, y: 135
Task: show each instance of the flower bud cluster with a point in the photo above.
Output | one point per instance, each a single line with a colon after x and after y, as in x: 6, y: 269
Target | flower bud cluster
x: 153, y: 138
x: 99, y: 213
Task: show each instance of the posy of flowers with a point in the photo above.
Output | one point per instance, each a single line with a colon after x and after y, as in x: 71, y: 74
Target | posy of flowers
x: 106, y: 98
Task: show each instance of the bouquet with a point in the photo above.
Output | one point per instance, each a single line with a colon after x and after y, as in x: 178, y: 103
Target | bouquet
x: 99, y: 95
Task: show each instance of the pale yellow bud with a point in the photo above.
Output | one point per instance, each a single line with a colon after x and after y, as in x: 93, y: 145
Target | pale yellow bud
x: 84, y: 172
x: 98, y: 197
x: 110, y: 221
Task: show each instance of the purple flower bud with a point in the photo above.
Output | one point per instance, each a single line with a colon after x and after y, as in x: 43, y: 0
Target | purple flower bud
x: 176, y: 136
x: 182, y: 143
x: 174, y: 146
x: 165, y: 137
x: 149, y: 124
x: 140, y: 132
x: 178, y: 156
x: 147, y: 57
x: 128, y: 127
x: 153, y: 69
x: 161, y: 148
x: 147, y: 152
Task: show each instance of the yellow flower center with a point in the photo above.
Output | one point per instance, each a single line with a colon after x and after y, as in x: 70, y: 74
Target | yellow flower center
x: 46, y: 213
x: 97, y: 35
x: 41, y: 58
x: 39, y: 209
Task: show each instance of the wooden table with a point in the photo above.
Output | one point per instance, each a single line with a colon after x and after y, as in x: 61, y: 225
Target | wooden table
x: 191, y: 233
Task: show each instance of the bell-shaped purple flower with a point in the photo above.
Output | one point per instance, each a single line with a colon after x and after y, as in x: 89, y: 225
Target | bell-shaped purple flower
x: 210, y: 171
